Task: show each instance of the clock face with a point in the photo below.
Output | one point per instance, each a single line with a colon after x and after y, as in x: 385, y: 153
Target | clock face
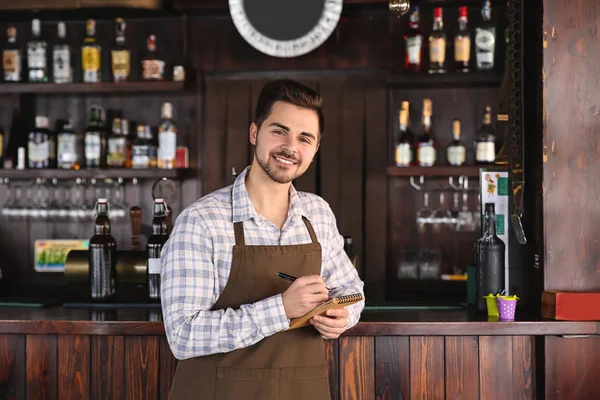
x: 285, y: 28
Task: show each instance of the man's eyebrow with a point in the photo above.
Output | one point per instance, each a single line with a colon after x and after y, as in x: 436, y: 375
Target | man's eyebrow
x: 285, y: 128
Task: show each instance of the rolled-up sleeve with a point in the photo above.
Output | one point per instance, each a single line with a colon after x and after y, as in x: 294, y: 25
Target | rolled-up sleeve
x: 188, y: 293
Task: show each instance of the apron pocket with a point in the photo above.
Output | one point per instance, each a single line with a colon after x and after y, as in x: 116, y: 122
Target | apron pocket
x: 247, y: 383
x: 304, y: 383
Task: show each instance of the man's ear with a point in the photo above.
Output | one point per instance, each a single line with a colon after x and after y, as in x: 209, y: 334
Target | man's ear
x: 253, y: 133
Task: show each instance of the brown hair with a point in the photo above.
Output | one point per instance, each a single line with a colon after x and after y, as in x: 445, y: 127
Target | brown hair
x: 291, y: 92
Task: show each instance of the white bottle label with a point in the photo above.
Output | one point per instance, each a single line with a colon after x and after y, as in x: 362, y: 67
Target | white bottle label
x: 485, y: 152
x: 426, y: 156
x: 456, y: 155
x: 62, y: 65
x: 92, y: 146
x: 67, y: 148
x: 413, y: 49
x: 154, y: 265
x: 403, y: 155
x: 167, y: 145
x: 140, y: 156
x: 36, y: 55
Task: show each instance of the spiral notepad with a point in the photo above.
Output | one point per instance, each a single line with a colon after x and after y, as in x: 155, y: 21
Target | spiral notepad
x: 334, y: 302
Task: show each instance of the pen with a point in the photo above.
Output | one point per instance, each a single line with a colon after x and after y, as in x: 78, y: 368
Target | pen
x: 290, y: 278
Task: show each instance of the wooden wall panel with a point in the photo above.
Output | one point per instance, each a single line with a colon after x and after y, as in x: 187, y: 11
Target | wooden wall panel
x: 332, y: 354
x: 462, y: 367
x: 108, y: 366
x: 392, y: 368
x: 357, y: 363
x: 214, y: 173
x: 427, y: 367
x: 73, y: 367
x: 495, y: 367
x: 12, y: 367
x: 237, y: 125
x: 523, y: 365
x: 41, y: 367
x: 167, y: 364
x: 141, y: 367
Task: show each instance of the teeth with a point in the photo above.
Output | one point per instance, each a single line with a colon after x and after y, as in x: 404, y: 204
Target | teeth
x: 284, y: 161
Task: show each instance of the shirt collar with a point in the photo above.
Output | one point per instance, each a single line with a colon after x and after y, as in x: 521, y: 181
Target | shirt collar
x: 243, y: 209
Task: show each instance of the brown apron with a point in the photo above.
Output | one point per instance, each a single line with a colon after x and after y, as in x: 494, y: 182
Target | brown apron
x: 288, y: 365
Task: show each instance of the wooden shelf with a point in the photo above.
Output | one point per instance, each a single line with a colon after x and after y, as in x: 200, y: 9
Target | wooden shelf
x: 103, y: 87
x: 442, y: 171
x: 125, y: 173
x: 447, y: 80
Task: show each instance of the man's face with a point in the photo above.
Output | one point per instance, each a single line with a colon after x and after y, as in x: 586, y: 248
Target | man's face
x: 286, y: 142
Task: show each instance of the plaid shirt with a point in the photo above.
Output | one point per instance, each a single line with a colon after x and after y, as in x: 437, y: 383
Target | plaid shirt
x: 196, y: 261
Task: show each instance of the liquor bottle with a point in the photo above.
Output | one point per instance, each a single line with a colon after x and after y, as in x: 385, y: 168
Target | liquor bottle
x: 154, y: 246
x: 61, y: 55
x: 140, y: 149
x: 90, y: 55
x: 152, y: 68
x: 38, y: 147
x: 456, y: 152
x: 489, y: 259
x: 462, y: 42
x: 67, y: 147
x: 485, y: 39
x: 94, y: 137
x: 485, y: 141
x: 404, y: 148
x: 121, y: 56
x: 129, y: 138
x: 167, y: 138
x: 16, y: 139
x: 426, y: 145
x: 36, y: 55
x: 413, y: 41
x: 116, y: 145
x: 102, y: 255
x: 11, y: 57
x: 437, y: 44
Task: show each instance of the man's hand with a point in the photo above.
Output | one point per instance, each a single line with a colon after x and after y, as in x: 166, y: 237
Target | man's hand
x: 304, y: 294
x: 333, y: 324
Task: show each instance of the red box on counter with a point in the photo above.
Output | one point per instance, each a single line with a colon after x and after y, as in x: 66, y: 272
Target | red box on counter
x: 571, y: 306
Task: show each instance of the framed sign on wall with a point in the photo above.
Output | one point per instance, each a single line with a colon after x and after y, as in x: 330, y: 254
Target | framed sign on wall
x: 285, y: 28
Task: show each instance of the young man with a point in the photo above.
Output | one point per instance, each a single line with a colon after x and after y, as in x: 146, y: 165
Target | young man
x: 226, y: 312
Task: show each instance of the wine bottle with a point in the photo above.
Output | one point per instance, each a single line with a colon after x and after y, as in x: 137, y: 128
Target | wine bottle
x: 102, y: 255
x: 154, y: 246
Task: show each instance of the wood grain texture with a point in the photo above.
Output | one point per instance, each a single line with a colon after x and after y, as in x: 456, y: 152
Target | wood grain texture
x: 575, y: 368
x: 495, y: 367
x: 392, y: 368
x: 166, y: 365
x: 141, y: 367
x: 12, y: 367
x: 41, y: 367
x: 215, y: 135
x: 238, y: 122
x: 357, y: 362
x: 108, y: 366
x: 523, y: 364
x: 462, y: 367
x: 74, y: 360
x: 332, y: 355
x: 308, y: 181
x: 427, y: 367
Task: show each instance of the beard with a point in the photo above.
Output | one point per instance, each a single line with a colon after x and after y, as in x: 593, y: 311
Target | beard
x: 278, y: 174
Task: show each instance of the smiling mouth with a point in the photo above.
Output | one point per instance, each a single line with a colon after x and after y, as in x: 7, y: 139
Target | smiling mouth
x: 285, y: 161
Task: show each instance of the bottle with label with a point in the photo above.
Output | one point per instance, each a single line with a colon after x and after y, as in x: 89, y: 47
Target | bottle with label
x: 489, y: 259
x: 120, y: 55
x: 16, y: 139
x: 153, y: 69
x: 437, y: 44
x: 11, y: 57
x: 129, y: 138
x: 36, y: 54
x: 413, y: 41
x: 485, y: 141
x: 485, y: 39
x: 154, y: 246
x: 456, y: 151
x: 61, y: 57
x: 102, y: 255
x: 38, y: 147
x: 426, y: 145
x: 462, y: 42
x: 95, y: 140
x: 116, y: 145
x: 167, y: 138
x: 140, y: 149
x: 404, y: 148
x: 90, y: 55
x: 153, y: 139
x: 67, y: 147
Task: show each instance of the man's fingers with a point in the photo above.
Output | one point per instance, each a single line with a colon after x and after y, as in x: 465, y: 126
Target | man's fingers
x: 330, y: 322
x: 337, y: 312
x: 309, y: 279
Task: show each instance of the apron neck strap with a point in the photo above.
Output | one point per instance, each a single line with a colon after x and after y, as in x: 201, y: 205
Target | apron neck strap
x: 238, y: 228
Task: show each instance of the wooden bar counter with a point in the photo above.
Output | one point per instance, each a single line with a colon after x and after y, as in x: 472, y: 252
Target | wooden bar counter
x: 69, y: 353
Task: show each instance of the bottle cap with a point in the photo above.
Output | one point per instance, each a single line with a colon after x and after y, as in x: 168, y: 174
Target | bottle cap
x: 62, y: 30
x: 437, y: 13
x: 159, y: 200
x: 102, y: 200
x: 41, y: 121
x: 167, y: 110
x: 462, y: 12
x: 91, y: 27
x: 35, y: 27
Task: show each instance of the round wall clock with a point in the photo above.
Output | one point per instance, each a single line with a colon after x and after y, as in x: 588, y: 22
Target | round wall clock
x: 285, y: 28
